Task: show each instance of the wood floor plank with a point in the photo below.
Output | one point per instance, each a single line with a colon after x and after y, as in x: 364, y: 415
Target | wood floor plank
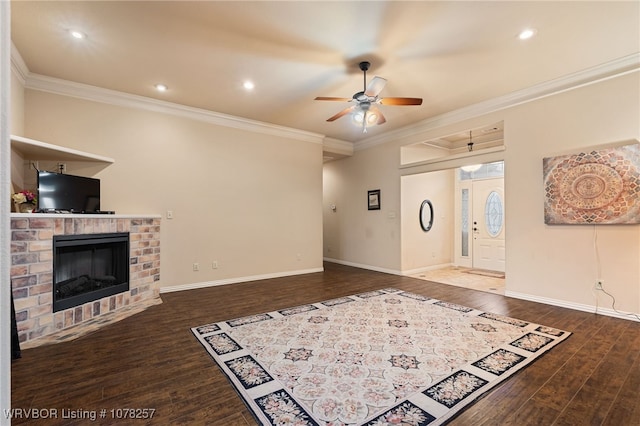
x: 519, y: 392
x: 152, y: 360
x: 625, y: 409
x: 607, y: 381
x: 570, y: 378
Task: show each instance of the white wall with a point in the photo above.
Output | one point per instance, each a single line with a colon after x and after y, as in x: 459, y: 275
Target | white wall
x: 423, y: 250
x: 16, y: 124
x: 559, y: 262
x: 420, y: 152
x: 251, y: 202
x: 353, y: 233
x: 16, y: 127
x: 546, y: 263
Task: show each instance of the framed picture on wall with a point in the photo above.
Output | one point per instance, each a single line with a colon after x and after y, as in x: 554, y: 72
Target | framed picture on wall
x: 374, y: 199
x: 593, y: 187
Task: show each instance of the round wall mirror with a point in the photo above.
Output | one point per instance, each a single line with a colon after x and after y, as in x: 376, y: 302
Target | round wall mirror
x: 426, y: 215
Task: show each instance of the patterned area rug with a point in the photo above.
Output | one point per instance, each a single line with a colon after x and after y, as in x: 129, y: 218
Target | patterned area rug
x: 386, y: 357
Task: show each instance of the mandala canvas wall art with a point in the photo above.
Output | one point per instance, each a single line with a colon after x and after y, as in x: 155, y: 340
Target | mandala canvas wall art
x: 596, y: 187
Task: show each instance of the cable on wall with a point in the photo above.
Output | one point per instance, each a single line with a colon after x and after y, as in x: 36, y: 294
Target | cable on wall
x: 597, y: 261
x: 598, y: 276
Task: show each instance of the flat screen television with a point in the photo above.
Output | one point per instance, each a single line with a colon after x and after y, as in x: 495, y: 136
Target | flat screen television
x: 68, y: 193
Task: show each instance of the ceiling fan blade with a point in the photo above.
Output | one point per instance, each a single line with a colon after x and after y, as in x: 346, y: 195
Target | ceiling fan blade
x: 329, y: 98
x: 341, y: 113
x: 375, y: 86
x: 401, y: 101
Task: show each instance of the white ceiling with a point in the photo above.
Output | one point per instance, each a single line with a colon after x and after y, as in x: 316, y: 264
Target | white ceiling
x: 450, y: 53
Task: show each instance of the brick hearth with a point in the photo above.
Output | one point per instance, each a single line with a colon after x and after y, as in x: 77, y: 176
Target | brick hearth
x: 32, y: 271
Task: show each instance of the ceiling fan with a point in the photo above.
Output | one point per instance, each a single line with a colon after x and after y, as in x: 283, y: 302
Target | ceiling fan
x: 365, y: 111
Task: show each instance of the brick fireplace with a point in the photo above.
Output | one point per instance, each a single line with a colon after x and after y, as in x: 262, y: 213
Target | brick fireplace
x: 32, y: 270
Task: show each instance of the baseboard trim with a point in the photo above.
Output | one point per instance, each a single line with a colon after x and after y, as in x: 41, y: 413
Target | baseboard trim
x: 426, y: 269
x: 386, y: 270
x: 575, y: 306
x: 363, y: 266
x: 517, y: 295
x: 193, y: 286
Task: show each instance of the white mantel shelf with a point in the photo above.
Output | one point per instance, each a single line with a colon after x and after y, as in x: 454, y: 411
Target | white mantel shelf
x: 37, y: 150
x: 85, y: 216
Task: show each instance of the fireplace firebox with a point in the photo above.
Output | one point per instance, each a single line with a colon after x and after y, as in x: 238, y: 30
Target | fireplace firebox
x: 89, y: 267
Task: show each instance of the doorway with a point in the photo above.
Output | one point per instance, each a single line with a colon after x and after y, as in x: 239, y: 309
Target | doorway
x: 488, y: 225
x: 473, y: 248
x: 479, y: 235
x: 476, y: 240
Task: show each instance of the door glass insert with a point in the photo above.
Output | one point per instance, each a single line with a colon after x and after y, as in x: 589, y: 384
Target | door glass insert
x: 464, y: 226
x: 493, y: 215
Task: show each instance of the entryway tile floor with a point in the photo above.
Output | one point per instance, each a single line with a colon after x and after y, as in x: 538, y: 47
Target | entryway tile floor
x: 465, y: 277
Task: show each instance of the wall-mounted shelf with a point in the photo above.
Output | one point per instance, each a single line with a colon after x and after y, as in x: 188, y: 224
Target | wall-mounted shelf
x: 37, y: 150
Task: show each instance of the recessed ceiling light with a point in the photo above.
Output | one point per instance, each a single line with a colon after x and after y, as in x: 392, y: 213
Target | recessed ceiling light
x: 77, y: 34
x: 527, y: 34
x: 248, y: 85
x: 161, y: 87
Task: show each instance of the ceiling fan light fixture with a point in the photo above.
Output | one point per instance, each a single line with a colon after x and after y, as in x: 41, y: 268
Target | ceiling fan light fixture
x: 471, y: 168
x: 527, y: 33
x: 365, y: 112
x: 77, y: 34
x: 364, y: 117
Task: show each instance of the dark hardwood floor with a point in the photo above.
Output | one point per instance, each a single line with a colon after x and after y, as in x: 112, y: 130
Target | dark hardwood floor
x: 152, y: 360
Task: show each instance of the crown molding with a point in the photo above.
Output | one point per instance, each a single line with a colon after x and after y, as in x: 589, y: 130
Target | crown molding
x: 487, y: 155
x: 112, y: 97
x: 18, y: 66
x: 612, y: 69
x: 338, y: 146
x: 97, y: 94
x: 606, y: 71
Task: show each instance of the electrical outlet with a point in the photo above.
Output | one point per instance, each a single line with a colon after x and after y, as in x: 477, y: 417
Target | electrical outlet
x: 196, y: 266
x: 214, y: 264
x: 599, y: 284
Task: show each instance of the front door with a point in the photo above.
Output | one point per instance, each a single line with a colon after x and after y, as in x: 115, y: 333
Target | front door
x: 488, y: 224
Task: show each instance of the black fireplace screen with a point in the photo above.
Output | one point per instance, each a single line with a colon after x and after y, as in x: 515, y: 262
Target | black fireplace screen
x: 89, y: 267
